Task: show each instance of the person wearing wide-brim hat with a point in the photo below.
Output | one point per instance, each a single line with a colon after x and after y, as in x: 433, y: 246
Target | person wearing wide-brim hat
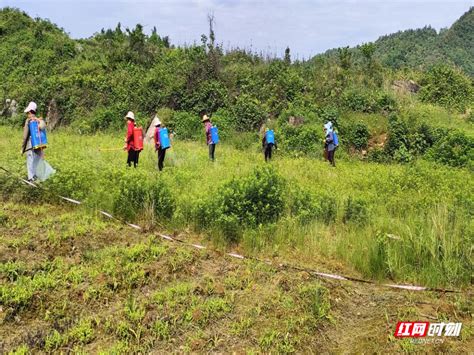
x: 33, y: 156
x: 129, y: 146
x: 207, y: 126
x: 158, y: 148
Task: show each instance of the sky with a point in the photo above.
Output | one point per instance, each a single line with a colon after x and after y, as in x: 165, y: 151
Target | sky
x: 308, y: 27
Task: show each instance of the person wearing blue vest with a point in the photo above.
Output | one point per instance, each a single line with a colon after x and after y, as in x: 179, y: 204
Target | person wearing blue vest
x: 158, y: 146
x: 207, y: 126
x: 268, y: 142
x: 33, y: 155
x: 329, y: 142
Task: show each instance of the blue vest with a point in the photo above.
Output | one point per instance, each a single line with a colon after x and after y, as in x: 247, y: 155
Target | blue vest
x: 164, y: 138
x: 38, y: 136
x: 214, y: 135
x: 270, y: 137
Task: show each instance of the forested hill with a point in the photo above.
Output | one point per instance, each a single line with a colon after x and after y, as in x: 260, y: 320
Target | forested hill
x: 420, y: 48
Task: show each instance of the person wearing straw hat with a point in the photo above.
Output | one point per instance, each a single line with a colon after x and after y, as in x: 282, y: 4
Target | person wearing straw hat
x: 129, y: 146
x: 207, y: 126
x: 33, y: 156
x: 158, y: 147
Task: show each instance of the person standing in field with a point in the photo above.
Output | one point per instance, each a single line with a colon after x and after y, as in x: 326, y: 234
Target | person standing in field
x: 158, y: 147
x: 329, y: 143
x: 268, y: 144
x: 129, y: 145
x: 33, y: 156
x: 207, y: 126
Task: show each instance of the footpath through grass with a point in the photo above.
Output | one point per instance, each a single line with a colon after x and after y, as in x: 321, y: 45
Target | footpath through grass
x: 409, y: 223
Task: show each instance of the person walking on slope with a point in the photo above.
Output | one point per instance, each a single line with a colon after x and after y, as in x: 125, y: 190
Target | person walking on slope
x: 33, y: 156
x: 129, y: 144
x: 207, y: 126
x: 329, y: 143
x: 268, y: 142
x: 158, y: 146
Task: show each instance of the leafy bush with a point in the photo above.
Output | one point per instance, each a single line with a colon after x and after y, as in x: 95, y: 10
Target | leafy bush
x: 386, y: 102
x: 249, y: 113
x: 329, y: 113
x: 356, y: 211
x: 305, y: 139
x: 185, y: 125
x: 456, y: 149
x: 448, y: 87
x: 398, y: 136
x: 242, y: 202
x: 358, y: 135
x: 357, y: 100
x: 255, y: 199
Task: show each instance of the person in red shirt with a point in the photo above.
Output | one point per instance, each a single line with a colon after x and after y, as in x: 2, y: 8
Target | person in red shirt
x: 158, y: 148
x: 129, y: 146
x: 207, y: 126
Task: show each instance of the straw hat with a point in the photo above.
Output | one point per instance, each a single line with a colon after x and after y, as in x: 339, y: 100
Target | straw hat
x: 157, y: 122
x: 130, y: 115
x: 205, y: 118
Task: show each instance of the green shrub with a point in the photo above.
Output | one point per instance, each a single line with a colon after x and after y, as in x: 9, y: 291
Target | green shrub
x: 255, y: 199
x: 225, y: 121
x: 448, y: 87
x: 356, y: 211
x: 185, y: 125
x: 386, y: 102
x: 305, y: 139
x: 377, y: 155
x: 359, y: 101
x: 456, y: 149
x: 358, y: 135
x: 398, y: 136
x: 329, y: 113
x: 249, y: 113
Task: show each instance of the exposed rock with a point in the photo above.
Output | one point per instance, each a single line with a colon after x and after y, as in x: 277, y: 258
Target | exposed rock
x: 295, y: 121
x: 406, y: 86
x: 10, y: 108
x: 53, y: 118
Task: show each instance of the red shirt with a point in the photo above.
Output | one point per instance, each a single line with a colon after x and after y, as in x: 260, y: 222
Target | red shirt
x: 129, y: 136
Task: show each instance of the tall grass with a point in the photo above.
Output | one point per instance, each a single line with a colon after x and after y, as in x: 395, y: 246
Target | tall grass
x: 409, y: 223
